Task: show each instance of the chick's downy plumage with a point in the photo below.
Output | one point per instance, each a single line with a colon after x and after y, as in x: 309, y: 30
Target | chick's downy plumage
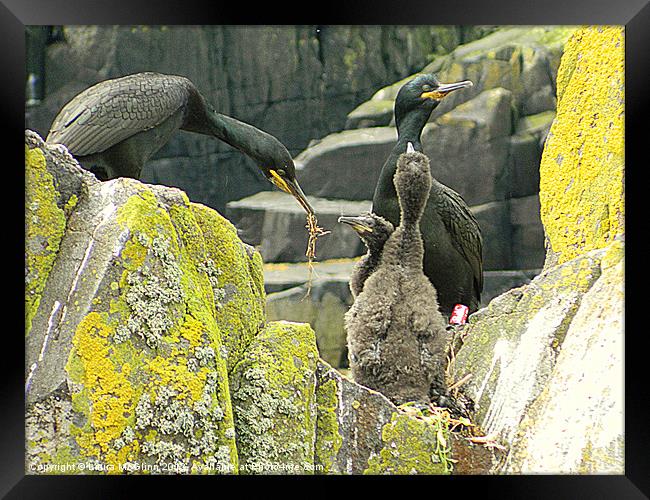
x: 397, y: 337
x: 373, y: 231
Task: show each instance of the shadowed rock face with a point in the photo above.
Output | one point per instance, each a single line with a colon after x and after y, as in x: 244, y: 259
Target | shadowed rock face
x: 297, y: 83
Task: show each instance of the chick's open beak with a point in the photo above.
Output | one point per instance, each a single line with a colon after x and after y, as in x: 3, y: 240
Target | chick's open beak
x: 293, y: 188
x: 357, y: 223
x: 445, y: 88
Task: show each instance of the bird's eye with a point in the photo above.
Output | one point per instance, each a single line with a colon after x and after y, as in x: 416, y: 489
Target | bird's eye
x: 281, y: 172
x: 426, y: 87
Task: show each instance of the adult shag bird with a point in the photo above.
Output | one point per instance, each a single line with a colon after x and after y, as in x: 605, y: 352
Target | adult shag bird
x: 373, y: 231
x: 452, y: 238
x: 115, y: 126
x: 397, y: 337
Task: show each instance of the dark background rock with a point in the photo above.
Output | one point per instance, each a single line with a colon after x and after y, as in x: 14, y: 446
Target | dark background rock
x: 296, y: 82
x: 346, y: 165
x: 494, y: 221
x: 275, y: 223
x: 527, y: 238
x: 523, y: 162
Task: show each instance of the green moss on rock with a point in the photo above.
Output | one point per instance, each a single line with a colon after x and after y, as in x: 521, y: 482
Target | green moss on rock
x: 411, y: 446
x: 237, y: 281
x: 328, y: 438
x: 148, y: 385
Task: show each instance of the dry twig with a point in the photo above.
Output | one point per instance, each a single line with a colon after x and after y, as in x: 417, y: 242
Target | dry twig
x: 314, y: 233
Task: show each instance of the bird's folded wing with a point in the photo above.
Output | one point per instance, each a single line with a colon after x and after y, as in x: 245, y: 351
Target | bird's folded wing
x: 114, y: 110
x: 464, y: 230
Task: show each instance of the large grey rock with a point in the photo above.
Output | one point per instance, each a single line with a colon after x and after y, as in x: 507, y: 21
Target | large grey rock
x: 513, y: 235
x: 350, y: 422
x: 125, y: 364
x: 345, y: 165
x: 275, y: 222
x: 577, y: 426
x: 545, y: 361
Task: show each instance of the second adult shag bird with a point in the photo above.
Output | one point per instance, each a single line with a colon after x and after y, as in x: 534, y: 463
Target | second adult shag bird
x: 115, y: 126
x: 452, y: 238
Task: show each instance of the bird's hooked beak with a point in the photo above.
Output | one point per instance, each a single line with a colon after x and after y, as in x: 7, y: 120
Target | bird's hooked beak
x: 293, y: 188
x: 445, y: 88
x: 359, y: 224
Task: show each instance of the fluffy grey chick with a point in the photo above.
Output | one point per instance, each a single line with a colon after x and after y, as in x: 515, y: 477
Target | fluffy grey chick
x: 396, y: 334
x: 373, y: 231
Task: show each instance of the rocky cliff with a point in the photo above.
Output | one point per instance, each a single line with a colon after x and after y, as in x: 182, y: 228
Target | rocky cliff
x: 148, y: 349
x: 296, y: 82
x: 546, y: 359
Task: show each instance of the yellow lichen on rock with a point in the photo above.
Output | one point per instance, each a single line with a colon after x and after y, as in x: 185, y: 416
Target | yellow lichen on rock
x: 582, y: 170
x: 237, y: 280
x: 106, y: 387
x: 44, y: 228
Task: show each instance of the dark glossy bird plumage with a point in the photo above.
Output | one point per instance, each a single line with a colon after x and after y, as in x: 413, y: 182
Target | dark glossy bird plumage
x: 452, y: 239
x: 115, y: 126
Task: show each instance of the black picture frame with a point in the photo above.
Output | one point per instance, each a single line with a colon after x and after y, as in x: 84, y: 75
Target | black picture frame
x: 634, y: 14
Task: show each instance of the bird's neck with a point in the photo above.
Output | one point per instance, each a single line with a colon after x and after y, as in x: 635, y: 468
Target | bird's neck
x: 405, y: 248
x: 238, y: 134
x: 203, y: 119
x: 410, y: 125
x: 385, y: 193
x: 409, y: 129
